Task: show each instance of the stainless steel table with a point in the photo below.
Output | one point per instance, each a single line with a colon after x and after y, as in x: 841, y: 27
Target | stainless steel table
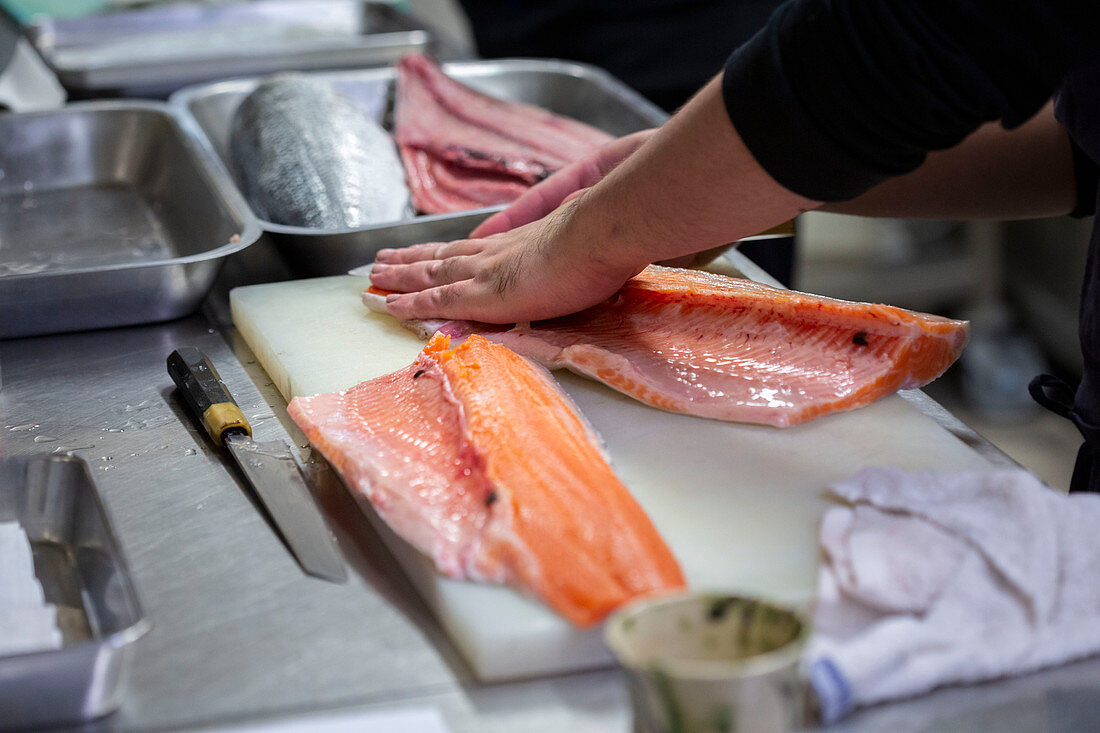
x: 240, y: 634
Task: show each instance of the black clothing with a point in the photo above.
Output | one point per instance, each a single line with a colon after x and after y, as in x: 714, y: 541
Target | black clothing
x: 834, y: 96
x: 847, y: 93
x: 1077, y: 106
x: 665, y: 49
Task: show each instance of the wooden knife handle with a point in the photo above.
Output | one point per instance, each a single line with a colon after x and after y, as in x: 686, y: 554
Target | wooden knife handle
x: 205, y: 393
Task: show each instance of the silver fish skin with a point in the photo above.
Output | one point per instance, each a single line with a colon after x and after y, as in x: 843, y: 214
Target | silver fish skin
x: 306, y: 156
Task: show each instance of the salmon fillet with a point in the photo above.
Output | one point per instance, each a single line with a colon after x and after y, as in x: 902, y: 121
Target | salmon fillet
x: 733, y: 349
x: 475, y: 457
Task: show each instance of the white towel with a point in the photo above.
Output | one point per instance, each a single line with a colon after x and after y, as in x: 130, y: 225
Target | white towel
x: 18, y: 584
x: 930, y: 579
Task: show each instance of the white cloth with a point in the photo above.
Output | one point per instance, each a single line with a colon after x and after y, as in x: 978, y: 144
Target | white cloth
x: 929, y: 579
x: 27, y: 622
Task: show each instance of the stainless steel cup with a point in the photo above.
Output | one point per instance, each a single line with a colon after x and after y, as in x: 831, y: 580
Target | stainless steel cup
x: 710, y: 663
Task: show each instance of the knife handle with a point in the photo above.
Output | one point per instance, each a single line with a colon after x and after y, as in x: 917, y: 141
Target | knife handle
x: 205, y: 393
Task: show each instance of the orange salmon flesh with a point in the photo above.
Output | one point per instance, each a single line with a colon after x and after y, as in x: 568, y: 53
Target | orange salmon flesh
x: 733, y: 349
x: 475, y: 457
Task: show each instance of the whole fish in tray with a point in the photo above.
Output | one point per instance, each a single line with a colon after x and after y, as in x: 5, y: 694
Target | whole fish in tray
x: 306, y: 156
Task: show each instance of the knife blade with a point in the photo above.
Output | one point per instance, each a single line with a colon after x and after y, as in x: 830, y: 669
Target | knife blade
x: 268, y: 466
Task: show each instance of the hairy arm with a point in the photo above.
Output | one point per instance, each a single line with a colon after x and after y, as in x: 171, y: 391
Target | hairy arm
x: 992, y: 174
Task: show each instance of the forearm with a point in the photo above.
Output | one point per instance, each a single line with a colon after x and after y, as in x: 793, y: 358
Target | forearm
x: 992, y: 174
x: 692, y: 186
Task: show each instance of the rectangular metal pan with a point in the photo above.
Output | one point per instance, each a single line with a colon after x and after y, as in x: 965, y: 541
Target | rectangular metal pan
x: 109, y: 215
x: 153, y: 51
x: 577, y: 90
x: 82, y: 571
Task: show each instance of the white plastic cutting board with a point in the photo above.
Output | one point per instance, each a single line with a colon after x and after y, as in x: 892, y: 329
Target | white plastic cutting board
x: 738, y: 504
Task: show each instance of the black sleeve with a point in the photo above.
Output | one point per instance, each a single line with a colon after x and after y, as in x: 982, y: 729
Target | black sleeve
x: 1087, y: 176
x: 835, y: 96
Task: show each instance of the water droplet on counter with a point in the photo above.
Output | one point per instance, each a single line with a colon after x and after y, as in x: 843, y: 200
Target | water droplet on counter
x: 23, y: 428
x: 106, y: 458
x: 44, y: 439
x: 190, y: 452
x: 71, y: 448
x: 262, y: 416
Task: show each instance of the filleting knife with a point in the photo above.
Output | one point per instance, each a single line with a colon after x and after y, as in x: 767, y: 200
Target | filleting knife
x: 268, y: 466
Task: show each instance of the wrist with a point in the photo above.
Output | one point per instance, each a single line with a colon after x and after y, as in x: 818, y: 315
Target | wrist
x: 601, y: 235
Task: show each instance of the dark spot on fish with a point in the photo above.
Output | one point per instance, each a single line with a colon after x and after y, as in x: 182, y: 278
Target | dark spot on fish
x: 860, y: 339
x: 417, y: 373
x: 475, y: 154
x: 491, y: 498
x: 718, y: 608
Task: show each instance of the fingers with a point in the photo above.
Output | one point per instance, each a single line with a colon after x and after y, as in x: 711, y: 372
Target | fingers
x: 464, y: 300
x: 548, y: 195
x: 423, y: 275
x: 542, y: 198
x: 428, y: 251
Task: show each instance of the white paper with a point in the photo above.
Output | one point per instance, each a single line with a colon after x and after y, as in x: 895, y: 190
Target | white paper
x: 27, y: 622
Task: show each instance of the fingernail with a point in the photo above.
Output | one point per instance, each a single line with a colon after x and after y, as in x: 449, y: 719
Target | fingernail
x: 378, y: 267
x: 382, y: 254
x: 392, y: 297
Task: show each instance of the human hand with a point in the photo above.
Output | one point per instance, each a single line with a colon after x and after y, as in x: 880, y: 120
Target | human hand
x: 550, y: 267
x: 563, y: 186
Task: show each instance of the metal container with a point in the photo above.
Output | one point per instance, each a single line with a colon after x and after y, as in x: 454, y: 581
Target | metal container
x: 711, y: 663
x: 577, y: 90
x: 109, y: 215
x: 82, y: 571
x: 159, y: 49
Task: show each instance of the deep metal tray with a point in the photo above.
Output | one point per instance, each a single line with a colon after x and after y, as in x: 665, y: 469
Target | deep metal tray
x: 82, y: 571
x: 159, y: 49
x: 109, y: 215
x: 578, y: 90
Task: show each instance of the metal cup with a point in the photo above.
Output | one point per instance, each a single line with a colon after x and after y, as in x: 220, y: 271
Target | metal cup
x: 707, y: 663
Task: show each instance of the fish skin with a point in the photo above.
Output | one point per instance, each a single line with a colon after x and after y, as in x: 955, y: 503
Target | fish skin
x: 731, y: 349
x: 475, y: 457
x: 307, y: 156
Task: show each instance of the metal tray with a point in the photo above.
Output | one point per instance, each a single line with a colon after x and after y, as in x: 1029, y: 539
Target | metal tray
x: 578, y: 90
x: 157, y: 50
x: 109, y: 215
x: 82, y: 571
